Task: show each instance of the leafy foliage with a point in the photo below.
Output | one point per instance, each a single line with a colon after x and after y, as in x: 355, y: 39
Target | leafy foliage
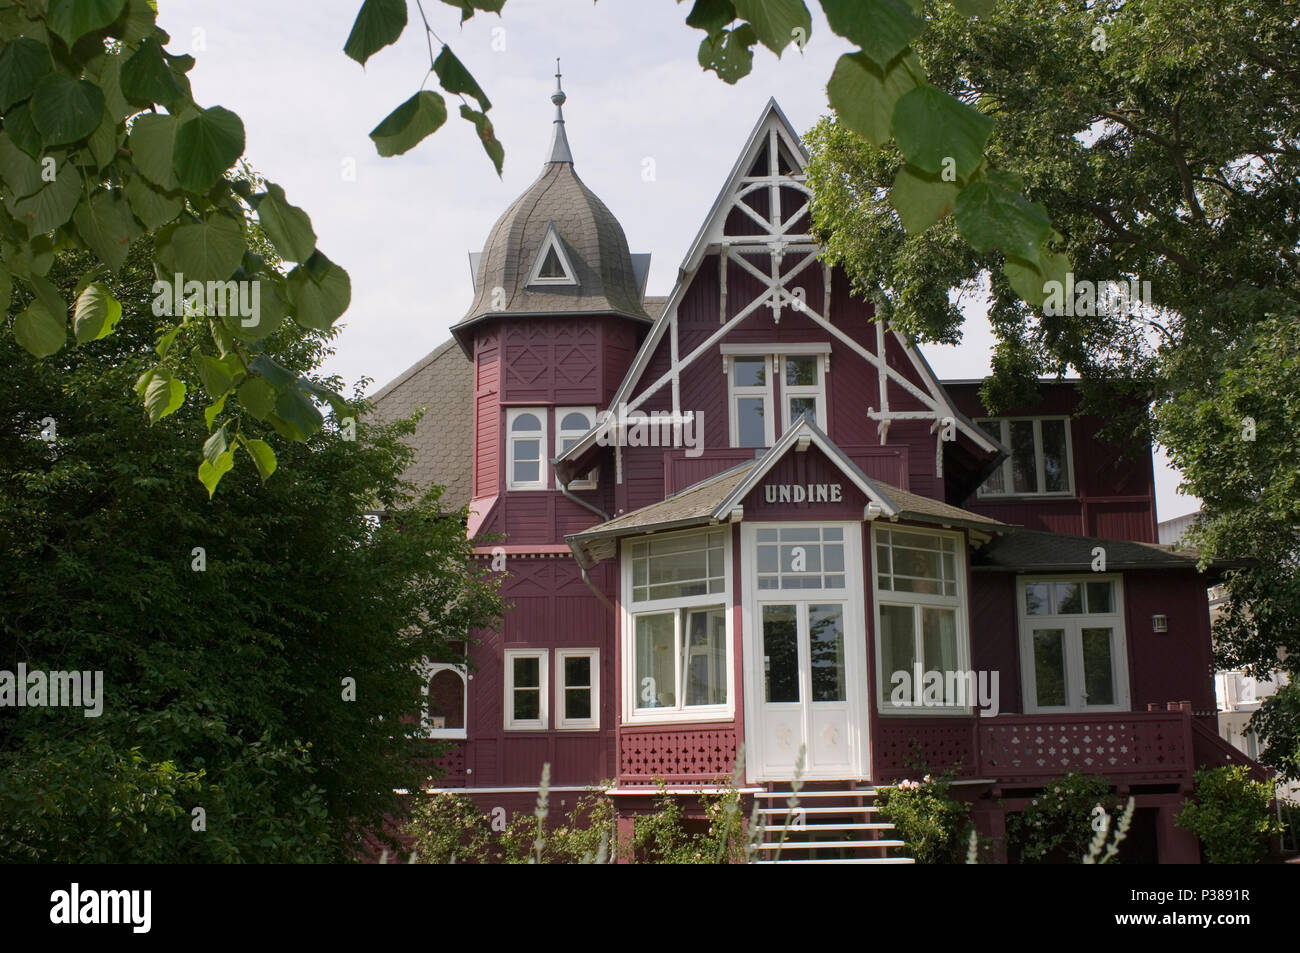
x: 222, y: 679
x: 935, y: 826
x: 1056, y: 826
x: 1230, y: 814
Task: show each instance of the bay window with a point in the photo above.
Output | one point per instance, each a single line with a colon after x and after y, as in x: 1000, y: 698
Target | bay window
x: 920, y: 618
x: 1072, y: 644
x: 1040, y: 463
x: 677, y: 647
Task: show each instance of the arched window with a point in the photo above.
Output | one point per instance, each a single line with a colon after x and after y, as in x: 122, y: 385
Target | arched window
x: 571, y: 423
x: 526, y: 448
x: 446, y: 707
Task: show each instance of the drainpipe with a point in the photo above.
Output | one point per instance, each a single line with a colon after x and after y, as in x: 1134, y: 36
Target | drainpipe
x: 564, y: 489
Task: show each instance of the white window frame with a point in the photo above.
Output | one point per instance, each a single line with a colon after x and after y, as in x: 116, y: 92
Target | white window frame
x: 1073, y: 624
x: 428, y: 670
x: 563, y: 721
x: 1004, y: 435
x: 544, y: 463
x: 816, y: 391
x: 629, y: 611
x: 959, y: 603
x: 524, y: 724
x: 589, y: 481
x: 551, y: 240
x: 765, y: 391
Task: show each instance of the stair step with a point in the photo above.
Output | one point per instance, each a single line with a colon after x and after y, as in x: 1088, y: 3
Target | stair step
x: 861, y: 792
x: 847, y: 809
x: 851, y: 860
x: 873, y: 826
x: 827, y: 844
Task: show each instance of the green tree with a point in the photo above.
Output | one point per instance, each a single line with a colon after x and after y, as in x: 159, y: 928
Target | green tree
x: 1163, y: 139
x: 226, y: 630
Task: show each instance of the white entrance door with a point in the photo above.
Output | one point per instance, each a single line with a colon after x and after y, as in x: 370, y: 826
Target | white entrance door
x: 805, y: 651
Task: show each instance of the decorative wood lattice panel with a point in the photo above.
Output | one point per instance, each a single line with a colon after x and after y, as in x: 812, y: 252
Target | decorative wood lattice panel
x: 1128, y: 744
x: 901, y: 746
x: 452, y: 767
x: 675, y: 756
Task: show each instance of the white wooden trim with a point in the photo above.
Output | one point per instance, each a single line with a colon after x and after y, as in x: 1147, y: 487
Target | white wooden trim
x: 765, y: 391
x: 589, y: 483
x: 543, y: 446
x: 562, y: 722
x: 551, y: 240
x: 535, y: 724
x: 761, y: 349
x: 428, y: 670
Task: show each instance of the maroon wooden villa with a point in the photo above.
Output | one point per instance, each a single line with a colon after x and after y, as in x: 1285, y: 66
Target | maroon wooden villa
x: 748, y: 515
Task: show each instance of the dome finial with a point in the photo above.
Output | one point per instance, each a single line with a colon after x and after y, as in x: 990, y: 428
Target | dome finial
x: 559, y: 141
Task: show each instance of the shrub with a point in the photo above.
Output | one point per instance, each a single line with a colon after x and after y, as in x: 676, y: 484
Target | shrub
x: 934, y: 826
x: 1230, y: 814
x: 1056, y: 827
x: 449, y: 829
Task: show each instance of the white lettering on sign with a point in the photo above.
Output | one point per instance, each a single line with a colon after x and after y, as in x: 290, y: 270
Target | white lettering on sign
x: 802, y: 492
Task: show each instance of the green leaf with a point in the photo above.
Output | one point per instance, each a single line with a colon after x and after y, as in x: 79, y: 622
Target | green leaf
x: 49, y: 296
x: 271, y: 310
x: 73, y: 19
x: 105, y: 224
x: 22, y: 62
x: 20, y: 173
x: 167, y: 340
x: 103, y: 142
x: 921, y: 200
x: 379, y: 23
x: 22, y: 130
x: 146, y: 78
x: 298, y: 412
x: 163, y: 394
x: 214, y: 409
x: 776, y: 21
x: 467, y: 7
x: 455, y: 78
x: 1029, y: 279
x: 6, y: 288
x: 263, y: 456
x: 149, y: 205
x: 210, y: 473
x: 883, y: 28
x: 95, y: 314
x: 931, y: 126
x: 205, y: 147
x: 39, y: 331
x: 711, y: 15
x: 321, y: 392
x: 975, y: 8
x: 31, y: 258
x: 139, y: 20
x: 991, y: 216
x: 216, y: 375
x: 273, y: 371
x: 209, y: 250
x: 52, y: 204
x: 319, y: 301
x: 288, y: 226
x: 110, y: 81
x: 728, y: 53
x: 864, y: 95
x: 216, y: 444
x: 487, y: 135
x: 257, y: 396
x: 409, y: 123
x: 65, y: 109
x: 152, y: 143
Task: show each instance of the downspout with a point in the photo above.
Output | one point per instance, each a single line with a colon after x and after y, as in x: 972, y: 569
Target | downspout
x: 564, y: 489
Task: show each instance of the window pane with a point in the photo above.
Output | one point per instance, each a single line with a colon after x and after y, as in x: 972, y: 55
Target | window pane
x: 1024, y: 468
x: 995, y: 483
x: 528, y: 672
x: 447, y: 698
x: 1098, y: 667
x: 528, y: 450
x: 749, y: 371
x: 577, y: 703
x: 706, y: 657
x: 529, y: 423
x: 1055, y: 462
x: 803, y: 407
x: 750, y: 429
x: 526, y: 472
x: 781, y: 653
x: 897, y: 646
x: 939, y: 640
x: 826, y: 646
x: 575, y: 420
x: 577, y: 671
x: 528, y: 704
x: 551, y: 267
x: 801, y: 371
x: 1069, y: 598
x: 655, y: 670
x: 1049, y: 666
x: 1038, y: 599
x: 1100, y: 598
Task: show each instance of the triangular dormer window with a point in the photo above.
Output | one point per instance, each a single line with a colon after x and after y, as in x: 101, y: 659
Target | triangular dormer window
x: 551, y: 265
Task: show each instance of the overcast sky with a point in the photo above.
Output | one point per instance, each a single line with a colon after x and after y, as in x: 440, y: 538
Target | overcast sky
x: 402, y: 226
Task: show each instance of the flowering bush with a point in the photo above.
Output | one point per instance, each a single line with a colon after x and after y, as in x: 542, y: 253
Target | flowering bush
x: 1057, y: 826
x: 934, y: 826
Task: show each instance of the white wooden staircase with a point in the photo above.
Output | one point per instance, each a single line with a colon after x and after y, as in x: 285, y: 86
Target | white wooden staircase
x: 839, y: 824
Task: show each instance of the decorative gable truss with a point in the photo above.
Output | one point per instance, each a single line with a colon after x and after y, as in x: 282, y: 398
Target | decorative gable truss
x: 760, y: 221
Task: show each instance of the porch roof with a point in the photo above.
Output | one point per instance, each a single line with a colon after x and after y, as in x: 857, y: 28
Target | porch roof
x: 1039, y: 551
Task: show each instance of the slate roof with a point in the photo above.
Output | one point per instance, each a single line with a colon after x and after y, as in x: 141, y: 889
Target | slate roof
x: 593, y: 242
x: 1037, y: 551
x: 443, y: 381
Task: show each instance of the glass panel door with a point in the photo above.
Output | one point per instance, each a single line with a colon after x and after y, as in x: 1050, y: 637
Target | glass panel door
x: 1098, y: 667
x: 1049, y: 667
